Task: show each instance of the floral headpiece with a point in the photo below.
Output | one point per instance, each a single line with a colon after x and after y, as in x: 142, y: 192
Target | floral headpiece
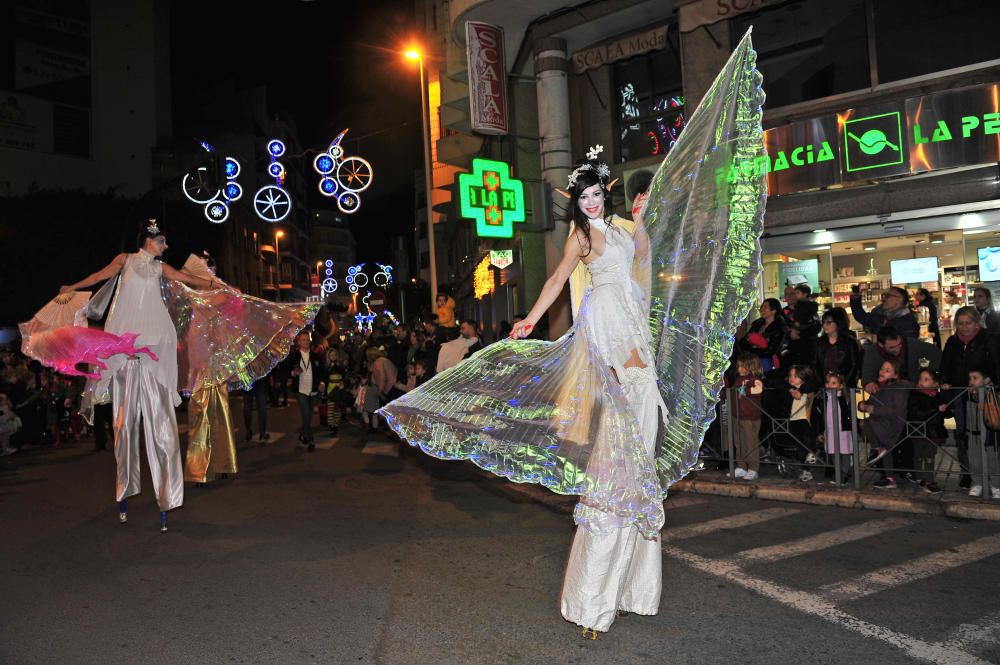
x: 152, y: 227
x: 602, y: 170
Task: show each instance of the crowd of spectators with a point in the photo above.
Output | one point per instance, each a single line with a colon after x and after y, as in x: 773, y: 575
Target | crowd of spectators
x: 794, y: 367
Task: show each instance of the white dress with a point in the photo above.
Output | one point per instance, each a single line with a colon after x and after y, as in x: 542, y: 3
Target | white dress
x: 617, y: 568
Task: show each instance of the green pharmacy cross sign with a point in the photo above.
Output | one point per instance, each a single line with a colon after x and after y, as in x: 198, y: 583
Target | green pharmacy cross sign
x: 491, y: 197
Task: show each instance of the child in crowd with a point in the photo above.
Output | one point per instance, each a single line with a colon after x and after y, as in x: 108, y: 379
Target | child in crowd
x: 927, y: 405
x: 886, y: 409
x: 979, y: 379
x: 367, y: 403
x: 336, y: 390
x: 750, y: 389
x: 802, y: 388
x: 823, y: 422
x: 9, y: 425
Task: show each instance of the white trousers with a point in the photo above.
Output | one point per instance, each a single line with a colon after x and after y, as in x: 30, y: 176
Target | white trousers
x: 137, y: 395
x: 617, y: 570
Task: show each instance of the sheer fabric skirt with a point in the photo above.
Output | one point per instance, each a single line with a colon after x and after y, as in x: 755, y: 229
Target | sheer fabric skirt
x: 621, y: 568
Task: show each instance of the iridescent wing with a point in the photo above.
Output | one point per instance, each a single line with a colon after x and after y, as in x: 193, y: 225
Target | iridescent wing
x: 704, y: 217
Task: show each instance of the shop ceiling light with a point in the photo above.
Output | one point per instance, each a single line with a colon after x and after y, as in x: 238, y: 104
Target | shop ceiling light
x: 870, y: 246
x: 819, y: 230
x: 937, y: 240
x: 822, y: 247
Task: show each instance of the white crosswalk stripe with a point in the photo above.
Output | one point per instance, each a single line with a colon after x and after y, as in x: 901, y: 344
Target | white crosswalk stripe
x: 814, y: 605
x: 956, y: 649
x: 820, y: 541
x: 722, y: 523
x: 912, y: 570
x: 968, y: 635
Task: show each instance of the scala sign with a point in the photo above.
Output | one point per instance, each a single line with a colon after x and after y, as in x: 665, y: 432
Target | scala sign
x: 942, y: 130
x: 487, y: 78
x: 491, y: 197
x: 502, y: 258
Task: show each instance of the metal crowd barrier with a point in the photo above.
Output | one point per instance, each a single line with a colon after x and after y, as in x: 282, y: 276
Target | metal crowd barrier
x: 966, y: 430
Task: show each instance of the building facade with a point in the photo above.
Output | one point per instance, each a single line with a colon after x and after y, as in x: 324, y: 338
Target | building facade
x: 84, y: 95
x: 856, y: 200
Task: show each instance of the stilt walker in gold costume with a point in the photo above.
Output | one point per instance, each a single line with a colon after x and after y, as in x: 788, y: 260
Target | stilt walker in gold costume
x: 211, y: 445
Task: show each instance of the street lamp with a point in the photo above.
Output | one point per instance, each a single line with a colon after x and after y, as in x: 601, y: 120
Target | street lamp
x: 277, y: 261
x: 414, y: 54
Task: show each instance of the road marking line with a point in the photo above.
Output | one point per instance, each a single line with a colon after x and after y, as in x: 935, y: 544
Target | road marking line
x: 809, y: 603
x: 820, y: 541
x: 684, y: 501
x: 987, y: 631
x: 913, y: 570
x: 731, y: 522
x: 386, y: 449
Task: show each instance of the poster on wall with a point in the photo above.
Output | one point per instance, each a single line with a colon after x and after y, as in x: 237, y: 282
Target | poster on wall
x: 794, y: 273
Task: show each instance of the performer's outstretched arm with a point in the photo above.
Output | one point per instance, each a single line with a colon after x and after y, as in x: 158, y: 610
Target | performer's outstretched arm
x: 191, y: 280
x: 107, y: 273
x: 553, y: 286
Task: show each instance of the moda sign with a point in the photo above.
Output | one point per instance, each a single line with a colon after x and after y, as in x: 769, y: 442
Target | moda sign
x: 943, y: 130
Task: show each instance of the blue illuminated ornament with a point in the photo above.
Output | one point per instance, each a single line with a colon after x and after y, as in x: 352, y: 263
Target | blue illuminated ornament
x: 272, y: 203
x: 217, y: 211
x: 276, y: 148
x: 383, y: 278
x: 196, y: 187
x: 233, y: 192
x: 356, y: 278
x: 324, y: 164
x: 329, y: 284
x: 348, y: 202
x: 347, y: 175
x: 327, y: 186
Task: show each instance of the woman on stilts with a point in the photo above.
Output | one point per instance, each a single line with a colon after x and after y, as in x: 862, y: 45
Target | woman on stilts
x: 143, y: 387
x: 615, y: 410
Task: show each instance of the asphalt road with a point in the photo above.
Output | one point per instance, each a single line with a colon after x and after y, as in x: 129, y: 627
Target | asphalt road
x: 345, y: 556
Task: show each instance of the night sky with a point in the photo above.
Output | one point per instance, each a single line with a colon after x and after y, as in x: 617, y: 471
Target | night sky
x: 331, y: 65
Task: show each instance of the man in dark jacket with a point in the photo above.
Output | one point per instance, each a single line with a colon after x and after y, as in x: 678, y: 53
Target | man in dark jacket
x: 306, y: 369
x: 912, y: 354
x: 894, y: 311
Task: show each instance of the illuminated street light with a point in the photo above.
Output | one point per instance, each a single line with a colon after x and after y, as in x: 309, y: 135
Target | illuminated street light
x: 414, y: 54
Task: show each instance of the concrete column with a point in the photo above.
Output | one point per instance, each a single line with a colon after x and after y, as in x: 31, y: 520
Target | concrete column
x: 552, y: 87
x: 704, y: 53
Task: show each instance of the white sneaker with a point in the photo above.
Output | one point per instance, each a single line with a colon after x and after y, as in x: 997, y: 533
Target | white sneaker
x: 751, y: 475
x: 995, y: 492
x: 811, y: 458
x: 805, y: 476
x: 740, y: 473
x: 976, y: 490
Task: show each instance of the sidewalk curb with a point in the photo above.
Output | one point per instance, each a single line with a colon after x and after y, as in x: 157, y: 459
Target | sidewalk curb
x: 843, y: 499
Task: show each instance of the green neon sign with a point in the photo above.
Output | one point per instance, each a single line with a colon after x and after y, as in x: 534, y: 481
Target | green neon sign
x: 492, y: 198
x: 990, y: 125
x: 873, y: 141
